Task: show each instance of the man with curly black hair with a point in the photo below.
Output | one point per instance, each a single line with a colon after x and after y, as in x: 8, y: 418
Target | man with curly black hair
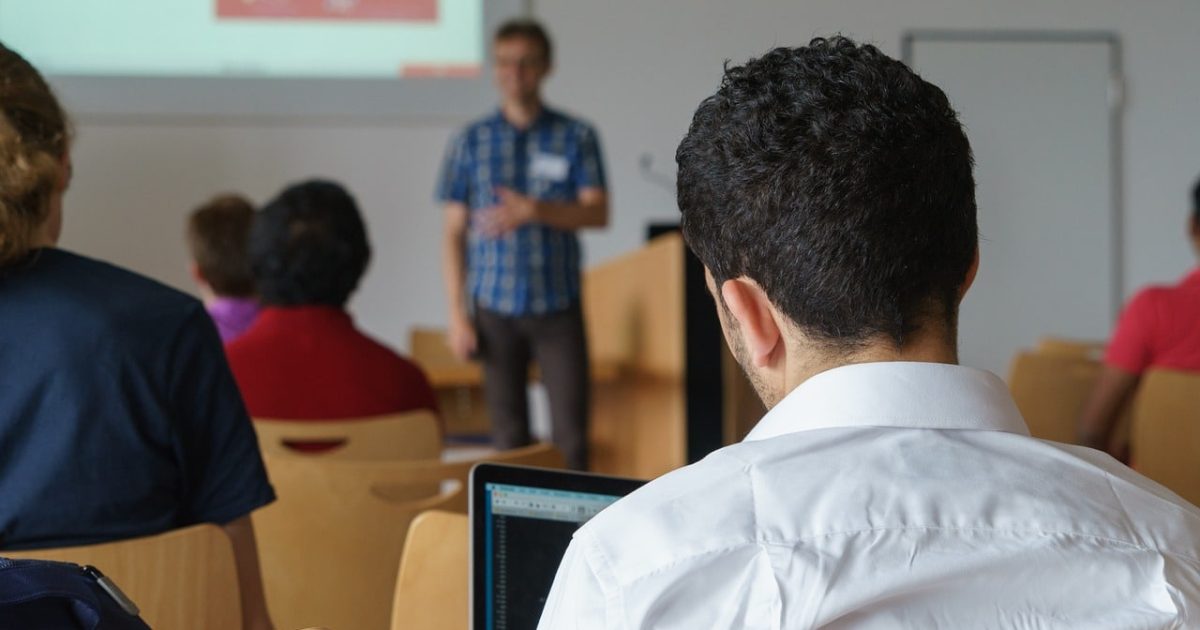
x: 829, y: 192
x: 304, y: 359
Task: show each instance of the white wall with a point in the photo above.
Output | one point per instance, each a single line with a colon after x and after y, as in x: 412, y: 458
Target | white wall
x: 637, y: 69
x: 136, y: 183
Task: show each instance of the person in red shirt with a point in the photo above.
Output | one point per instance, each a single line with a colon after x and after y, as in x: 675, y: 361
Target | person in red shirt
x: 1159, y: 328
x: 304, y: 359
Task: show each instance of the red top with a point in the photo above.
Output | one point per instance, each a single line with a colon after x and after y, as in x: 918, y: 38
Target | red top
x: 1160, y: 327
x: 311, y: 363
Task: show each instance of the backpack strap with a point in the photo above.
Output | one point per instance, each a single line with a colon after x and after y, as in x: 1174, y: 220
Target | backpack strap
x: 28, y: 581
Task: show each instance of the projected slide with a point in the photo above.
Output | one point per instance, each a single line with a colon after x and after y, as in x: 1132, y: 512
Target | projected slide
x: 330, y: 9
x: 248, y: 38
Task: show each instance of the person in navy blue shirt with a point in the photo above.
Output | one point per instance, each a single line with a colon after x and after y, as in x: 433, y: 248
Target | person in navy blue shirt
x: 516, y: 185
x: 118, y: 414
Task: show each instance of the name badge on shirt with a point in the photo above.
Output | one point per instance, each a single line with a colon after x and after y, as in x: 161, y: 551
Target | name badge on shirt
x: 549, y: 166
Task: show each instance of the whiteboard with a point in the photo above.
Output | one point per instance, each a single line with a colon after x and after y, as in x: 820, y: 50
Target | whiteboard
x: 1042, y: 119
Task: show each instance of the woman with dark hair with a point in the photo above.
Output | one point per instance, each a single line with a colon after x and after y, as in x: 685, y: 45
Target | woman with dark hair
x: 118, y: 414
x: 304, y: 358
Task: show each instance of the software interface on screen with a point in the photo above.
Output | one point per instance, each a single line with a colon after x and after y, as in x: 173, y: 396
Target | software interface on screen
x: 528, y: 530
x: 315, y: 39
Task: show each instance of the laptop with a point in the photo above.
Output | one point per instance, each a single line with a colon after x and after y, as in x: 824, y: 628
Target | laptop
x: 522, y: 520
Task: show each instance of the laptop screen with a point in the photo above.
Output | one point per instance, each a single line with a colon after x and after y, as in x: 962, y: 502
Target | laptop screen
x: 522, y: 522
x: 528, y: 530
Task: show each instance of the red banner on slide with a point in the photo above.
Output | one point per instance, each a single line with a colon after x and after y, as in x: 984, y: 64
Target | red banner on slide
x: 441, y: 71
x: 361, y: 10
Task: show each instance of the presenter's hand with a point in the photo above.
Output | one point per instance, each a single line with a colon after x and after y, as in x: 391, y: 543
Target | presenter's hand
x: 513, y: 211
x: 461, y: 337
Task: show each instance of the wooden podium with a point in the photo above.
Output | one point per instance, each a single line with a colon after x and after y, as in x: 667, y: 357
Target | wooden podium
x: 634, y: 308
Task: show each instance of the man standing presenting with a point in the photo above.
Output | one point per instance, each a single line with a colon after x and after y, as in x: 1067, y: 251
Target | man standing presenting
x: 829, y: 192
x: 515, y: 186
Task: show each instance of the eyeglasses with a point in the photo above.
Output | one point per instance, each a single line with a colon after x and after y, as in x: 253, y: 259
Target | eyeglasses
x: 523, y: 63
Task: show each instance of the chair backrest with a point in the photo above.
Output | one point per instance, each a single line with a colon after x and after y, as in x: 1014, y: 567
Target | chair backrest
x: 1071, y: 348
x: 186, y: 578
x: 1166, y: 431
x: 432, y: 588
x: 1050, y: 391
x: 331, y: 544
x: 537, y: 455
x: 404, y: 436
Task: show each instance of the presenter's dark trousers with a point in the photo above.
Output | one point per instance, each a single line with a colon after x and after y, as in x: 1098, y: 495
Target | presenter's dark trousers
x: 556, y: 341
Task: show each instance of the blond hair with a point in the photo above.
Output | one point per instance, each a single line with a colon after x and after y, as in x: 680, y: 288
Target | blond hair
x: 34, y: 134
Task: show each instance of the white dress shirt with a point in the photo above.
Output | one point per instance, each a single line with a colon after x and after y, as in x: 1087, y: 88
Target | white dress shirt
x: 888, y: 495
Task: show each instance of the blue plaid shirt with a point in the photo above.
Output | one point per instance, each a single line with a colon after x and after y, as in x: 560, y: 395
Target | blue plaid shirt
x: 534, y: 269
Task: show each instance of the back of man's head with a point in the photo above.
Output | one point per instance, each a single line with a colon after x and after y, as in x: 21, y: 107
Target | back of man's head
x: 309, y: 246
x: 216, y: 235
x: 841, y: 183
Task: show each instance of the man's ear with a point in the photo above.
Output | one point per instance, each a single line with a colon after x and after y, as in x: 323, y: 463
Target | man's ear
x: 760, y: 331
x: 970, y: 279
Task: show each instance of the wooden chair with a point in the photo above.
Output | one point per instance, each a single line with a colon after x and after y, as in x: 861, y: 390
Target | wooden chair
x: 1166, y: 431
x: 536, y: 455
x: 1071, y: 348
x: 432, y: 588
x: 331, y: 543
x: 1050, y: 391
x: 404, y: 436
x: 186, y: 578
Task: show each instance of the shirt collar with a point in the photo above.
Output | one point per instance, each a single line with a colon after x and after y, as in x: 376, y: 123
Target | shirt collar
x: 895, y: 394
x: 234, y: 307
x: 305, y: 316
x: 543, y: 117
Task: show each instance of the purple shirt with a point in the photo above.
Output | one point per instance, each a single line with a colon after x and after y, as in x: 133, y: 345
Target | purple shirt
x: 233, y: 316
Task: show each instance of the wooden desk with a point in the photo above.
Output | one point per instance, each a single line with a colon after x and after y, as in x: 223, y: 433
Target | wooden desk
x: 459, y: 389
x: 450, y: 375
